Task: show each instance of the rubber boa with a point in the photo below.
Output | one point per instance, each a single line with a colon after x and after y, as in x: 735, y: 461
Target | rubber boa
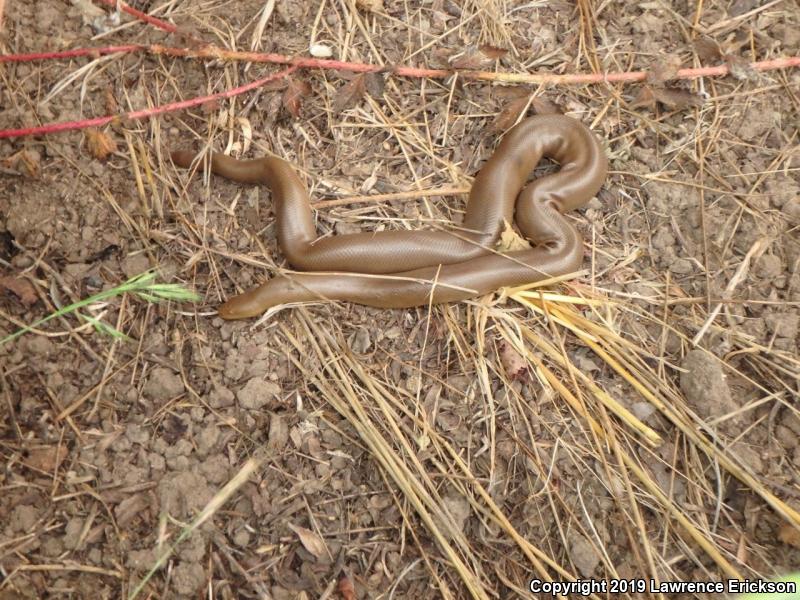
x: 398, y: 269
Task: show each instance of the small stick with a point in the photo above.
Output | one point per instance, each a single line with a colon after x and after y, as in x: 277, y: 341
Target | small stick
x: 77, y: 52
x: 214, y: 52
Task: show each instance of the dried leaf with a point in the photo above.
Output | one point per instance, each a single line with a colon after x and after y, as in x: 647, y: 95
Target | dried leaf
x: 511, y: 93
x: 247, y: 133
x: 509, y: 115
x: 111, y: 102
x: 310, y: 540
x: 130, y: 508
x: 346, y: 588
x: 645, y: 98
x: 664, y: 69
x: 46, y: 458
x: 275, y: 85
x: 375, y: 82
x: 515, y: 366
x: 99, y: 143
x: 707, y: 50
x: 21, y: 288
x: 350, y: 94
x: 440, y: 57
x: 296, y: 90
x: 511, y: 241
x: 740, y: 68
x: 676, y: 99
x: 788, y: 534
x: 493, y: 52
x: 370, y: 5
x: 28, y: 159
x: 545, y: 107
x: 30, y: 162
x: 470, y: 59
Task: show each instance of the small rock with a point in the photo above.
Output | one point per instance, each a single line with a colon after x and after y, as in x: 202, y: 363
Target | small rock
x: 207, y: 439
x: 163, y: 384
x: 182, y: 447
x: 769, y: 266
x: 188, y: 578
x: 215, y: 469
x: 141, y: 560
x: 748, y: 455
x: 135, y: 264
x: 583, y: 555
x: 52, y: 546
x: 257, y: 393
x: 783, y: 324
x: 220, y: 397
x: 181, y: 494
x: 642, y: 410
x: 23, y: 517
x: 460, y: 383
x: 136, y: 434
x: 458, y: 508
x: 792, y: 421
x: 786, y: 436
x: 705, y: 386
x: 681, y: 266
x: 156, y: 461
x: 792, y: 210
x: 193, y: 549
x: 75, y: 271
x: 663, y: 238
x: 72, y: 533
x: 37, y: 345
x: 242, y: 538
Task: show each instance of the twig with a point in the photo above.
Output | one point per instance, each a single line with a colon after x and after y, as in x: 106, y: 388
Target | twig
x: 214, y: 52
x: 77, y: 52
x: 141, y: 114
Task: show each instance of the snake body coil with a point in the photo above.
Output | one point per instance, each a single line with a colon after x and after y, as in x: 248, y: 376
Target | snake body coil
x: 397, y: 269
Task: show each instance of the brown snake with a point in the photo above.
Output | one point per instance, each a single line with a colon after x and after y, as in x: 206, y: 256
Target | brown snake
x: 421, y: 267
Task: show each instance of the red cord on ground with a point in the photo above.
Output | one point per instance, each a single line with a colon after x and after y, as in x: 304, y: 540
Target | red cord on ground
x: 214, y: 52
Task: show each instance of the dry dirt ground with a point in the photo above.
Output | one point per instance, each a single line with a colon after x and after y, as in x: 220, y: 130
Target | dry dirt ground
x: 641, y: 421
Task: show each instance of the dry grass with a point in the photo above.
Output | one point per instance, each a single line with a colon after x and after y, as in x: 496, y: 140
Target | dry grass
x: 508, y: 474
